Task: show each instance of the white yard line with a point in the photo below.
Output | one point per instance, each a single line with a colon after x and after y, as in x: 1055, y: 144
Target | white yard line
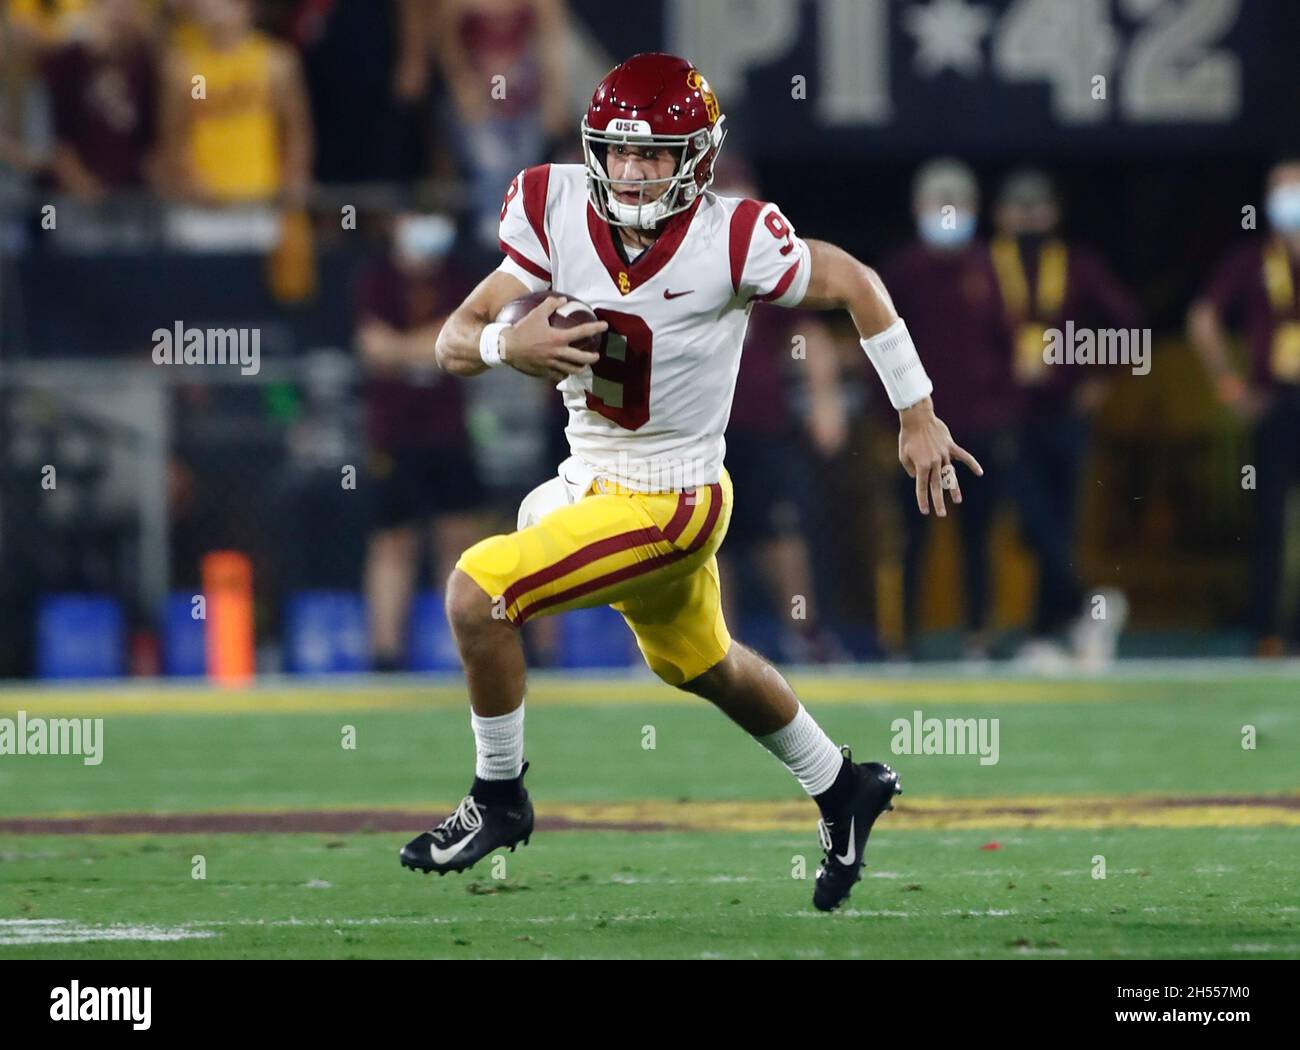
x: 66, y: 931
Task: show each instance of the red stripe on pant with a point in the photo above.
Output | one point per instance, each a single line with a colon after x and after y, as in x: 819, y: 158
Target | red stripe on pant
x: 608, y: 580
x: 630, y: 571
x: 583, y: 556
x: 710, y: 518
x: 681, y: 515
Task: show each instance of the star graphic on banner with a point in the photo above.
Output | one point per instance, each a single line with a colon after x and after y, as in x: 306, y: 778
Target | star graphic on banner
x: 948, y: 35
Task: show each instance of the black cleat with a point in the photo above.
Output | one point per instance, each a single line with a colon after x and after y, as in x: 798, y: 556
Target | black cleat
x: 845, y: 837
x: 474, y: 830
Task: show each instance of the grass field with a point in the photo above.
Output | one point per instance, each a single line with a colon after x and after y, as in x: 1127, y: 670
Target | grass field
x: 691, y: 848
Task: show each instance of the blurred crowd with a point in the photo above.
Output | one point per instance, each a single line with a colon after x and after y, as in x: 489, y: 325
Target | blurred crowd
x: 215, y: 103
x: 231, y: 101
x: 1027, y: 417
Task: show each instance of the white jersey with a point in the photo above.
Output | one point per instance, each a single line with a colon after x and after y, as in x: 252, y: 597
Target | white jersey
x: 651, y: 412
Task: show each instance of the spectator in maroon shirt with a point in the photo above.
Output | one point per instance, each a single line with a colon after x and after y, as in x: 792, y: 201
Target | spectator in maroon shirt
x: 103, y: 95
x: 1257, y: 291
x: 1045, y: 283
x: 774, y: 463
x: 945, y: 287
x: 421, y: 464
x: 787, y: 353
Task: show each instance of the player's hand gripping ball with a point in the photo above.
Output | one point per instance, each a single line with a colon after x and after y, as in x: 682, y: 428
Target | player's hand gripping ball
x: 571, y: 313
x: 551, y: 335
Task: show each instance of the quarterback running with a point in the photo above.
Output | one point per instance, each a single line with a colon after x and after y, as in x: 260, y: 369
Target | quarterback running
x: 636, y: 514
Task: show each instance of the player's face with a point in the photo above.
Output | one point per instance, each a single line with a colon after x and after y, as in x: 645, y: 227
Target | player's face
x: 631, y: 165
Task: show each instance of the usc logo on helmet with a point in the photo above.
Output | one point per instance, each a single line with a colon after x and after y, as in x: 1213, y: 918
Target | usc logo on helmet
x: 696, y: 82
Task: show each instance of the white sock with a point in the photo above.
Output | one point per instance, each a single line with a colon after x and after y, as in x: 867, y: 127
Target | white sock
x: 806, y: 751
x: 499, y: 745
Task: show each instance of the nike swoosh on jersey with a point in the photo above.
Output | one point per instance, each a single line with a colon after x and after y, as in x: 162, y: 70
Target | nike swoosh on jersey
x: 852, y: 854
x: 677, y: 295
x: 441, y: 856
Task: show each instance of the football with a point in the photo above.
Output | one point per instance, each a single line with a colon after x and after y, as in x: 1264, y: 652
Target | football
x: 572, y: 312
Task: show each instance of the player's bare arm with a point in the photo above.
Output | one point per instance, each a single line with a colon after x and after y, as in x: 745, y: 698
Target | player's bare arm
x: 531, y: 346
x: 838, y: 281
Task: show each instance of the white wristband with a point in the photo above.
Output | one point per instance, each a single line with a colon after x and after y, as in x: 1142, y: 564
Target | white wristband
x: 489, y: 344
x: 895, y: 358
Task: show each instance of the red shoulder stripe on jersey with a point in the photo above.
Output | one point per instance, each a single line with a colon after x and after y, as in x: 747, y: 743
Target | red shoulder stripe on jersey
x: 649, y: 262
x: 743, y: 220
x: 536, y: 183
x: 781, y: 285
x: 540, y: 272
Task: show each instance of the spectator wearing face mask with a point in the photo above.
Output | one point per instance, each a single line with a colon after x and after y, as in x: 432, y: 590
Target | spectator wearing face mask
x: 944, y: 286
x: 1256, y: 292
x: 1046, y: 283
x: 421, y: 466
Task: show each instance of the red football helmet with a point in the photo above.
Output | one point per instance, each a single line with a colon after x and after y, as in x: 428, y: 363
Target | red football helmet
x: 652, y: 99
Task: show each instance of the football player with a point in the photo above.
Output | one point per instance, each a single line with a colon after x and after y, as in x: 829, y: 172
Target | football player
x: 638, y: 511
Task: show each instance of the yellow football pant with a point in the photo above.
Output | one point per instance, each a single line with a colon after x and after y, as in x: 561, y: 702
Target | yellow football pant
x: 649, y: 555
